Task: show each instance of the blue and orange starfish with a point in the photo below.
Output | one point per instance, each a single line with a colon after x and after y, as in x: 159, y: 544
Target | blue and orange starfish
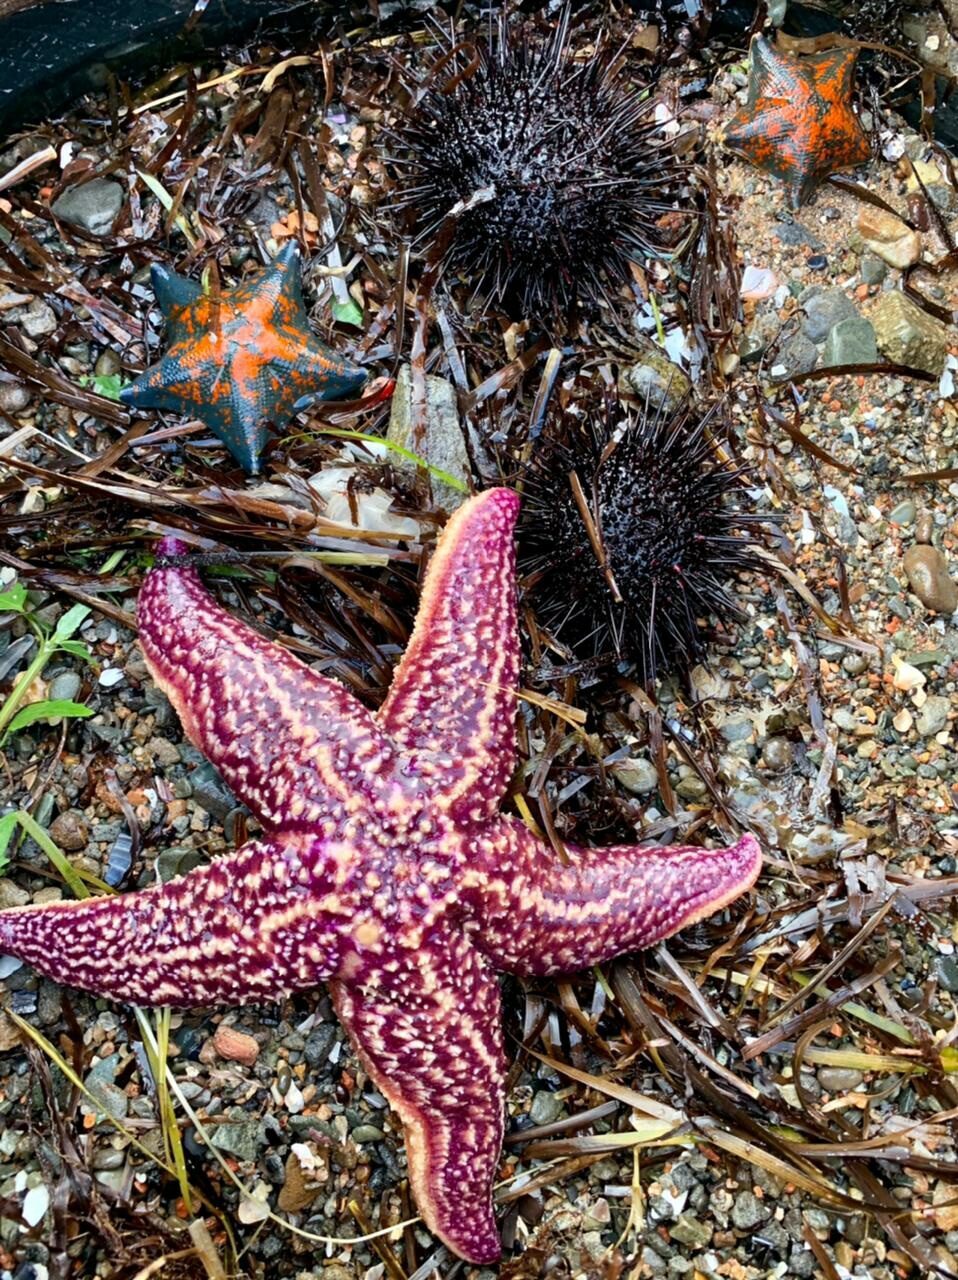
x: 243, y: 359
x: 799, y: 122
x: 386, y: 870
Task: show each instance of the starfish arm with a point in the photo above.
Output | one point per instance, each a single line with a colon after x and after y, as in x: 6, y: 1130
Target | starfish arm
x: 537, y: 915
x: 296, y: 747
x: 452, y: 704
x: 427, y: 1028
x: 252, y: 925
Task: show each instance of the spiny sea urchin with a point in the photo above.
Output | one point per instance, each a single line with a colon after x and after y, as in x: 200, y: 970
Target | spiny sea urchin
x: 631, y: 535
x: 553, y: 168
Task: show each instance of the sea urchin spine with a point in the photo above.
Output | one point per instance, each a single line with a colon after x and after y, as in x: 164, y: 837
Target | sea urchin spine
x: 553, y: 169
x: 632, y: 534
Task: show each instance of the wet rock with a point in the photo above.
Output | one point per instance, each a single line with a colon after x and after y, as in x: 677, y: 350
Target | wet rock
x: 367, y: 1133
x: 545, y: 1108
x: 38, y: 320
x: 441, y: 443
x: 92, y: 207
x: 946, y: 971
x: 690, y: 1231
x: 108, y: 1097
x: 319, y: 1044
x: 824, y: 308
x: 165, y: 753
x: 107, y: 364
x: 797, y: 355
x: 777, y: 754
x: 70, y: 831
x: 903, y: 514
x: 838, y: 1080
x: 211, y: 792
x: 656, y: 379
x: 851, y: 341
x: 14, y: 397
x: 909, y: 336
x: 9, y: 1034
x: 748, y: 1211
x: 638, y: 776
x: 927, y: 572
x: 239, y: 1139
x: 298, y: 1192
x: 872, y: 270
x: 177, y: 862
x: 65, y: 686
x: 933, y: 716
x: 235, y: 1045
x: 887, y: 236
x: 11, y: 895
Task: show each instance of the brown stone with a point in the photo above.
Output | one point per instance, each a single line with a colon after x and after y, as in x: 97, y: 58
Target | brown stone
x: 70, y: 831
x: 879, y: 224
x: 927, y: 572
x: 909, y: 336
x: 235, y: 1045
x: 297, y: 1192
x: 9, y: 1034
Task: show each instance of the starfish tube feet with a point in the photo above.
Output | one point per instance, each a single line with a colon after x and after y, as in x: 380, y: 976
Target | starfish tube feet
x: 294, y: 746
x: 244, y: 928
x: 537, y: 915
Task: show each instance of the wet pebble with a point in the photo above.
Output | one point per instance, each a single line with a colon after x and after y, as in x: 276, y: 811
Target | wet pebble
x: 70, y: 831
x: 545, y: 1108
x: 927, y: 572
x: 65, y: 686
x: 933, y: 716
x: 838, y: 1080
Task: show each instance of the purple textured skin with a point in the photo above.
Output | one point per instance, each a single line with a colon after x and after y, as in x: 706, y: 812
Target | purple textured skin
x: 387, y: 870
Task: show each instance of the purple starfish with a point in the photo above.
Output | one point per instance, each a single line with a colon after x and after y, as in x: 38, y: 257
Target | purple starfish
x: 387, y: 870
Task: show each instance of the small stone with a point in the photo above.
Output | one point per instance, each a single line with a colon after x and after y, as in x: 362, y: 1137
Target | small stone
x: 38, y: 320
x: 14, y: 397
x: 545, y: 1107
x: 11, y: 895
x: 9, y: 1034
x: 909, y: 336
x: 92, y: 207
x: 107, y: 364
x: 855, y: 664
x: 903, y: 514
x: 851, y: 341
x: 637, y: 775
x: 946, y: 971
x: 240, y: 1139
x: 70, y: 831
x: 924, y: 527
x: 211, y: 792
x: 933, y: 715
x: 777, y: 754
x: 927, y: 572
x: 441, y: 442
x: 297, y: 1193
x: 319, y: 1044
x: 177, y: 862
x: 748, y: 1211
x: 872, y: 270
x: 235, y: 1045
x: 690, y: 1231
x: 798, y: 355
x: 165, y: 753
x: 824, y: 308
x: 837, y: 1080
x: 367, y: 1133
x: 902, y: 253
x: 656, y: 379
x: 65, y: 686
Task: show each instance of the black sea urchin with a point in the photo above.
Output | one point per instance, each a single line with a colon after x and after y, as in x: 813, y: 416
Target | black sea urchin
x: 554, y: 169
x: 631, y: 535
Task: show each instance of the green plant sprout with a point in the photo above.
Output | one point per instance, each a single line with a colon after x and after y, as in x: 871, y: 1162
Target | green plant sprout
x: 14, y: 714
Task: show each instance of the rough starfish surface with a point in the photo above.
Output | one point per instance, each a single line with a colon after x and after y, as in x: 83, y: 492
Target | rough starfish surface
x: 798, y: 121
x: 386, y: 869
x: 243, y: 359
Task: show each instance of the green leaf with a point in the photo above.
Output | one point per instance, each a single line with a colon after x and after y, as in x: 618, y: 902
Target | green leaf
x: 14, y: 599
x: 48, y: 710
x: 347, y: 313
x: 8, y: 824
x: 109, y: 385
x: 77, y: 648
x: 70, y: 622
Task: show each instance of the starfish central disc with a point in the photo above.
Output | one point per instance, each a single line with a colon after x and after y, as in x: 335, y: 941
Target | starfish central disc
x: 386, y: 868
x: 243, y: 359
x: 798, y: 122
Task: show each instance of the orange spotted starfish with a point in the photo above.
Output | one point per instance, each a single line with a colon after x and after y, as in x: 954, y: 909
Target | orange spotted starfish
x: 243, y: 359
x: 798, y: 121
x: 386, y: 869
